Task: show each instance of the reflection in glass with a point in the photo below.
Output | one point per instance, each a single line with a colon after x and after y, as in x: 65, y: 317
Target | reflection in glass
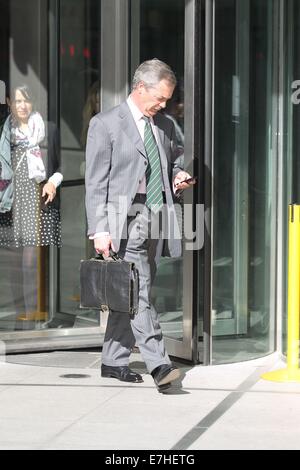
x: 29, y: 208
x: 74, y: 249
x: 79, y: 79
x: 291, y: 141
x: 80, y: 100
x: 244, y: 206
x: 91, y: 107
x: 162, y: 24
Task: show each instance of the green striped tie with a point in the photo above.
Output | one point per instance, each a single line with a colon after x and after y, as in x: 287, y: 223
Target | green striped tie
x: 154, y: 199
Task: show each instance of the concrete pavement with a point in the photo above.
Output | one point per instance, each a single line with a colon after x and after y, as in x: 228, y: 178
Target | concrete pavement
x: 57, y: 400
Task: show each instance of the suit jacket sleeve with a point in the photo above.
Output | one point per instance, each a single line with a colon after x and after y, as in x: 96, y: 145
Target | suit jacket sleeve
x: 177, y: 154
x: 98, y: 162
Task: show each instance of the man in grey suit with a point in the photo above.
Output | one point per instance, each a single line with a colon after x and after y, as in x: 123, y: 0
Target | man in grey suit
x: 131, y: 176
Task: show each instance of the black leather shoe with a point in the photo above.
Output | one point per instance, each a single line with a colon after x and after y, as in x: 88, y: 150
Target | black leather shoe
x: 122, y: 373
x: 163, y: 388
x: 164, y: 374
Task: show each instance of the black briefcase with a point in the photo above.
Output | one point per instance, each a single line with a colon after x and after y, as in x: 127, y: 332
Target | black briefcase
x: 109, y: 284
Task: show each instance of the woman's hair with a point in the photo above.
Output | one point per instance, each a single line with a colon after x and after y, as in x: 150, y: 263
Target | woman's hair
x: 91, y: 108
x: 151, y: 72
x: 26, y: 92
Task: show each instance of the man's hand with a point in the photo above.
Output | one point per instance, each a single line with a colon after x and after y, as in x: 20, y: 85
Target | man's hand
x: 103, y: 244
x: 180, y: 181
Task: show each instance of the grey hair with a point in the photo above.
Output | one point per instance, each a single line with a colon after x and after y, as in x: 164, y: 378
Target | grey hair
x: 151, y: 72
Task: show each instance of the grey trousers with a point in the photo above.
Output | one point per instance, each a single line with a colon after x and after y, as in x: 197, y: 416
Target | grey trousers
x: 122, y: 333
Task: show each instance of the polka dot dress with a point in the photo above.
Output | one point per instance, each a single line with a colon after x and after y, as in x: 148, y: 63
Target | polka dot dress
x: 27, y: 224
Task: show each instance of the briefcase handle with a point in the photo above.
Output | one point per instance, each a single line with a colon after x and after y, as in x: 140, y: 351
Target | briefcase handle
x: 112, y: 254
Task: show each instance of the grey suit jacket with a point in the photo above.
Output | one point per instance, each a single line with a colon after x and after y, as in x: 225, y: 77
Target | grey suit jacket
x: 116, y: 162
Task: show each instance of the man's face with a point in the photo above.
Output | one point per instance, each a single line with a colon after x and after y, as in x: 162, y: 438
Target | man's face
x: 151, y: 100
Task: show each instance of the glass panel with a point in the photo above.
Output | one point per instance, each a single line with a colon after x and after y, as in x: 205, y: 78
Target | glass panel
x: 79, y: 79
x: 162, y: 24
x: 244, y: 189
x: 25, y: 273
x: 291, y: 164
x: 29, y: 152
x: 74, y: 249
x: 80, y: 101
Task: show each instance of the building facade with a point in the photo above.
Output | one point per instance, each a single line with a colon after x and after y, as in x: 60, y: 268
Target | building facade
x: 236, y: 111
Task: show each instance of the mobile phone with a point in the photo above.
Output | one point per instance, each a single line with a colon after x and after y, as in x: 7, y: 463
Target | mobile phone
x: 191, y: 180
x: 45, y: 207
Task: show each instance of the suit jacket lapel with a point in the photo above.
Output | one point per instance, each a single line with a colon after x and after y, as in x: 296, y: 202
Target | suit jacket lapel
x: 129, y: 127
x: 160, y: 131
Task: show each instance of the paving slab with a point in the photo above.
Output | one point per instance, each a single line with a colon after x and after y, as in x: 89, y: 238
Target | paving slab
x: 60, y: 401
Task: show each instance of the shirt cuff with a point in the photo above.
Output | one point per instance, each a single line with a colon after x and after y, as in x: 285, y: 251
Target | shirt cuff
x: 56, y: 179
x: 98, y: 235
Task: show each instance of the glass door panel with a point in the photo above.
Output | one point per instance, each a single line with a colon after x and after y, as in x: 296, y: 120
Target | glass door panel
x: 75, y: 248
x: 23, y: 268
x: 158, y: 29
x: 244, y: 181
x: 80, y: 24
x: 291, y: 142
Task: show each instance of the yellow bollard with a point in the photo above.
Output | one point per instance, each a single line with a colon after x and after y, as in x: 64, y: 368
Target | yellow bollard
x: 292, y: 372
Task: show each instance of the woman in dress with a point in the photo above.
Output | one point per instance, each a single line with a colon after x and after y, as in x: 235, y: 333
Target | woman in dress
x: 29, y: 211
